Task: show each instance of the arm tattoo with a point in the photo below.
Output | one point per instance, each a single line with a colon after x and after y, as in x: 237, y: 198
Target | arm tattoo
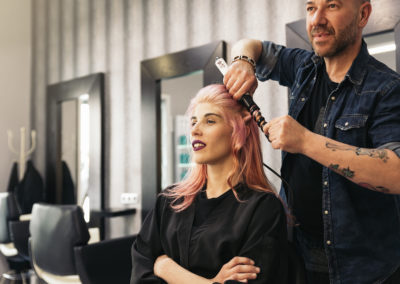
x: 346, y: 172
x: 373, y: 153
x: 374, y: 188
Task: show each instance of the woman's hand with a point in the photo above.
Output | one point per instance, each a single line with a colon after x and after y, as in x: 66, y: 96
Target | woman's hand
x: 160, y: 264
x: 238, y: 268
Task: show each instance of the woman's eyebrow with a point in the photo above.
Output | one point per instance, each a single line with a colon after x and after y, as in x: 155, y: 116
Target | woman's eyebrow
x: 207, y: 114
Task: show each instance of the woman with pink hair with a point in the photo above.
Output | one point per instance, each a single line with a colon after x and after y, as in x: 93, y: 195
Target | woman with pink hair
x: 223, y: 222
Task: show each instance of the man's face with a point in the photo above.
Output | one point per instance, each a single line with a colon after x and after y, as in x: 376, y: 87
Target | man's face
x: 332, y: 25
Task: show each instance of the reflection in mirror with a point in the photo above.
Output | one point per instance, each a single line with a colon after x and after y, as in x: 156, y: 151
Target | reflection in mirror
x: 383, y: 48
x: 68, y: 161
x: 83, y: 155
x: 175, y: 145
x: 75, y: 141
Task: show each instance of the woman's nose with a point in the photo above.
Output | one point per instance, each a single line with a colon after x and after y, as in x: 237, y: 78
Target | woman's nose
x: 195, y: 130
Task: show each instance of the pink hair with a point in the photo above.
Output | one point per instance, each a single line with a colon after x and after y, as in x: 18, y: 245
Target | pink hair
x: 246, y: 149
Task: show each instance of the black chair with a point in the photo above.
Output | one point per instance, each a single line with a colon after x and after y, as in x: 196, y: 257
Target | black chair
x: 19, y: 235
x: 12, y: 241
x: 60, y: 251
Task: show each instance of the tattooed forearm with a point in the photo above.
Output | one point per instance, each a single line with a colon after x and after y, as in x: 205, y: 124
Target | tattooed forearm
x: 346, y: 172
x: 373, y: 153
x: 374, y: 188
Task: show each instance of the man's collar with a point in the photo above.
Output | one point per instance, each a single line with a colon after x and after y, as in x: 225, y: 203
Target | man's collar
x: 358, y: 68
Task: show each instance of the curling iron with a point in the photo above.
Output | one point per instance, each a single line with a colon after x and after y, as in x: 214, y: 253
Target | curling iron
x: 246, y: 99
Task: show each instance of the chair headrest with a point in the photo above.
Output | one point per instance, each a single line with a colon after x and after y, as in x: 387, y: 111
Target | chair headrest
x: 55, y: 231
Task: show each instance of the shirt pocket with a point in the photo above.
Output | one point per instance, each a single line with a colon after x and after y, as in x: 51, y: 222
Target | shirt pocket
x: 351, y: 129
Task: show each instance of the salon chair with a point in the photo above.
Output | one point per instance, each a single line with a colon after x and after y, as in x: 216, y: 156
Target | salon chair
x: 13, y: 241
x: 60, y: 251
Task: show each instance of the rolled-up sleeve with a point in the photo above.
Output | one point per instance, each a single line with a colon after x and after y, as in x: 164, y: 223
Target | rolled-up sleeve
x: 385, y: 121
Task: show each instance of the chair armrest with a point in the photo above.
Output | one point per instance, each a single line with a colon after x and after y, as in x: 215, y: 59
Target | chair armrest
x: 105, y: 262
x: 25, y: 217
x: 19, y: 234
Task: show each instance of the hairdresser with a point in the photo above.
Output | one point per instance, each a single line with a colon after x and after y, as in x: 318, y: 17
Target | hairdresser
x: 340, y: 143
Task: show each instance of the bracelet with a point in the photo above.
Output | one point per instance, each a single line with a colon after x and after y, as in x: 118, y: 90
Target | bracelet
x: 247, y: 59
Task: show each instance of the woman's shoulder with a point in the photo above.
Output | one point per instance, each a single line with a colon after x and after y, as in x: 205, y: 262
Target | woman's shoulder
x: 168, y: 196
x: 263, y: 197
x: 266, y: 207
x: 250, y: 192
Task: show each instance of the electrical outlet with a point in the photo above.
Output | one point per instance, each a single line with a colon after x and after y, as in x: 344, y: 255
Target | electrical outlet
x: 129, y: 198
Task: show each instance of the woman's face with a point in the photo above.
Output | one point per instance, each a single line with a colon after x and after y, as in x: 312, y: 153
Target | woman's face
x: 211, y: 135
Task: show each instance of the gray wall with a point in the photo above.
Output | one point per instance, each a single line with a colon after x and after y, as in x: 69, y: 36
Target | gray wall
x: 73, y: 38
x: 15, y: 80
x: 15, y: 69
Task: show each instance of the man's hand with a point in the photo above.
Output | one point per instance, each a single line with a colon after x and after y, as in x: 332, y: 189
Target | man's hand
x: 287, y: 134
x: 238, y: 268
x: 240, y: 79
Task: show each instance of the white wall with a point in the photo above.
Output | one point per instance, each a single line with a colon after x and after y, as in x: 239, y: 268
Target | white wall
x: 15, y: 80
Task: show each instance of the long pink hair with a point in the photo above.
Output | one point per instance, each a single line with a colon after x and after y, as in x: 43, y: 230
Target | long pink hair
x: 246, y: 149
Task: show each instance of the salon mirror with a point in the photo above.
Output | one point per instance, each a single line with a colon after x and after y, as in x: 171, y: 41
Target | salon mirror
x: 162, y: 81
x: 74, y: 151
x: 175, y: 146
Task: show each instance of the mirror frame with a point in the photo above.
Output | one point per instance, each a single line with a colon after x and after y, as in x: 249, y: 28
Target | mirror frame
x: 56, y: 94
x: 152, y: 72
x: 384, y: 19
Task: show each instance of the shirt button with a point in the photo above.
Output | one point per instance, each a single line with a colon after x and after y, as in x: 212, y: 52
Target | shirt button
x: 326, y: 212
x: 346, y: 124
x: 303, y: 99
x: 325, y: 125
x: 328, y: 243
x: 333, y: 98
x: 325, y: 183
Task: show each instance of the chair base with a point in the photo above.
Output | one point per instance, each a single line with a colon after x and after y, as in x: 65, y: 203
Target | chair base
x: 22, y: 277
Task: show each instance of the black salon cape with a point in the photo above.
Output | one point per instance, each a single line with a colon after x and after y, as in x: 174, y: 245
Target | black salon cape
x: 255, y: 228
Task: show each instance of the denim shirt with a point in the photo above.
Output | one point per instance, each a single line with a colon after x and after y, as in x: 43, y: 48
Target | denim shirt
x: 361, y: 226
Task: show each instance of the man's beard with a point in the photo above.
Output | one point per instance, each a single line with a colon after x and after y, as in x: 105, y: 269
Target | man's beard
x: 343, y: 38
